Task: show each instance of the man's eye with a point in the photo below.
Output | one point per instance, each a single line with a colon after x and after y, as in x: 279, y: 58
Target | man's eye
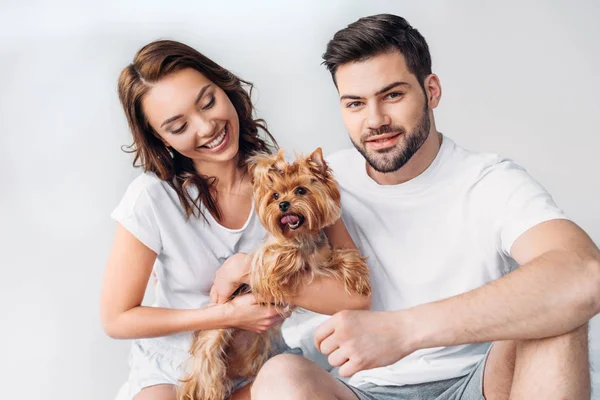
x: 394, y: 95
x: 354, y: 104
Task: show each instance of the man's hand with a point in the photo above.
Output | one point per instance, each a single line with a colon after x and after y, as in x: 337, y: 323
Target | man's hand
x: 359, y: 340
x: 229, y: 277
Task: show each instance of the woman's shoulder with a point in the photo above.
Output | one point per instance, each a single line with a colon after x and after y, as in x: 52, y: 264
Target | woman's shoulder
x: 145, y: 188
x: 147, y: 182
x: 139, y: 208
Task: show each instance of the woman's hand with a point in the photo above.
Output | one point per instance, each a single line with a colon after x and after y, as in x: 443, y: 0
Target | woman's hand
x: 244, y: 312
x: 233, y: 273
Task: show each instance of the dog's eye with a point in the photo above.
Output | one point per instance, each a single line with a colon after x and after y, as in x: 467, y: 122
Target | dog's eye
x: 276, y: 196
x: 300, y: 191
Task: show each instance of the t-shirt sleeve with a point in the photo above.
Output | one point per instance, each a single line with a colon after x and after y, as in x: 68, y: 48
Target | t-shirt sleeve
x: 519, y: 202
x: 136, y: 212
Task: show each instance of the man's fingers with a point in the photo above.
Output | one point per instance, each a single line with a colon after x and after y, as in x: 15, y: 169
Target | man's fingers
x: 329, y: 345
x: 349, y: 368
x: 337, y: 358
x: 325, y: 330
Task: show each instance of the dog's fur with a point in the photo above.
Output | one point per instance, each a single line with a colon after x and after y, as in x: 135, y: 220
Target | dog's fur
x: 295, y: 250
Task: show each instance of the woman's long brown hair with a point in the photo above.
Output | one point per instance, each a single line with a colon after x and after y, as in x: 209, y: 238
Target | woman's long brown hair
x: 152, y: 63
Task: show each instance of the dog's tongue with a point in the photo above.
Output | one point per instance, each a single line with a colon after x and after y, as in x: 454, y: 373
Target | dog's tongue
x: 289, y: 219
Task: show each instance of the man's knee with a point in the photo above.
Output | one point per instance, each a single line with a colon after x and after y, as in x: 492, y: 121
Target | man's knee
x: 574, y: 342
x: 281, y: 373
x: 556, y: 367
x: 281, y: 366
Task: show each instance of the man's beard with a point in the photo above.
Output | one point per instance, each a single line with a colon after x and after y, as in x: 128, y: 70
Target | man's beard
x: 393, y: 158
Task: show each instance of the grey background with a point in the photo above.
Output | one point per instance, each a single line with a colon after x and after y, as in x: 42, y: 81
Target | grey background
x: 519, y: 78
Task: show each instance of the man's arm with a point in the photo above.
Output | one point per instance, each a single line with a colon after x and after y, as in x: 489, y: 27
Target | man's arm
x: 328, y: 295
x: 556, y: 290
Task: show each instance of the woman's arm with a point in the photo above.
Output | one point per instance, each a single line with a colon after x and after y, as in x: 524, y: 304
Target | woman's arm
x: 125, y: 279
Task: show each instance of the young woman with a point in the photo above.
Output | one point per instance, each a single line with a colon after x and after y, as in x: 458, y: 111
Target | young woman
x: 189, y: 215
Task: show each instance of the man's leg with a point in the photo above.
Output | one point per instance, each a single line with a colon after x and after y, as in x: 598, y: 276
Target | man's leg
x: 553, y: 368
x: 499, y: 370
x: 289, y: 376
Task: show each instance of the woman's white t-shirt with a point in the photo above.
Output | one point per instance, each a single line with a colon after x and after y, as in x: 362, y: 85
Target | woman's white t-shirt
x: 189, y: 252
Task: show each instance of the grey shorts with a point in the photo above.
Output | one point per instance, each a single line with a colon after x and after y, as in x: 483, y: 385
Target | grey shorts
x: 469, y: 387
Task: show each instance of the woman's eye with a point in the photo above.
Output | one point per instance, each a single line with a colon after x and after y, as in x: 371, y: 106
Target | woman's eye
x: 300, y: 191
x: 210, y: 103
x: 276, y: 196
x: 179, y: 130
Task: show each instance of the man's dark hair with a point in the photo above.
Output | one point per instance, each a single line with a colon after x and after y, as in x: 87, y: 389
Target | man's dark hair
x: 374, y: 35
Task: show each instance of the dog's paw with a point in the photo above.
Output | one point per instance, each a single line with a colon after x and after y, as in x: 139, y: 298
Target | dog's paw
x: 354, y: 270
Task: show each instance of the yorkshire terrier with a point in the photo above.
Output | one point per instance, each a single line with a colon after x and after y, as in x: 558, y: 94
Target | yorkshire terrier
x: 294, y: 203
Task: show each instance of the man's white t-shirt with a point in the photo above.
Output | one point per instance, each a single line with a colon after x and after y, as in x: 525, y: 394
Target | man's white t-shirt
x: 443, y: 233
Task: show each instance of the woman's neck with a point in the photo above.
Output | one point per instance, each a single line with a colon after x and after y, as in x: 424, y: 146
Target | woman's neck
x: 228, y: 174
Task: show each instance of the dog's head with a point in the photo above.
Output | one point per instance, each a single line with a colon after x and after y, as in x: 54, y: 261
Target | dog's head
x: 294, y: 199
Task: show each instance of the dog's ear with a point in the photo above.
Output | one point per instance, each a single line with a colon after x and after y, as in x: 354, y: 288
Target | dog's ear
x: 279, y: 164
x: 281, y: 155
x: 259, y: 166
x: 316, y: 161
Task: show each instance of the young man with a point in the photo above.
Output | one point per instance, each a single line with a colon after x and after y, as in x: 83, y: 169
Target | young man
x: 465, y: 250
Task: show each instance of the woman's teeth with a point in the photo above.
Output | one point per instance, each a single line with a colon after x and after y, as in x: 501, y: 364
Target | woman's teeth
x: 218, y: 140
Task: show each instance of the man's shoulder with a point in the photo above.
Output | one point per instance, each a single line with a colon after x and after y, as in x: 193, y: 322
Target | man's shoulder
x: 485, y: 164
x: 491, y: 174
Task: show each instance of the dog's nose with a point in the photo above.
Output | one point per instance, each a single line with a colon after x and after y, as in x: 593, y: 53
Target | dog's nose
x: 284, y: 205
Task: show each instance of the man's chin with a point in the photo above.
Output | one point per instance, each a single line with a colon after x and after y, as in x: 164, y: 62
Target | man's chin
x: 381, y: 160
x: 384, y: 166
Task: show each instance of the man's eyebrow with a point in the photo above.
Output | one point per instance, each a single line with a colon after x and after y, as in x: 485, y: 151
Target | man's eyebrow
x: 391, y: 86
x: 381, y: 91
x: 350, y: 97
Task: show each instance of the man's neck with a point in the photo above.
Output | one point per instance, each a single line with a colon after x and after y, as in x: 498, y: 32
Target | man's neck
x: 417, y: 164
